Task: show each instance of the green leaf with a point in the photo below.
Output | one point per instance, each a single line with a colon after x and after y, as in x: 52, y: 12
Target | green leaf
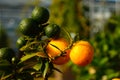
x: 26, y: 57
x: 46, y: 69
x: 4, y: 63
x: 105, y: 47
x: 5, y: 77
x: 38, y: 66
x: 42, y: 67
x: 104, y: 61
x: 112, y: 53
x: 41, y: 54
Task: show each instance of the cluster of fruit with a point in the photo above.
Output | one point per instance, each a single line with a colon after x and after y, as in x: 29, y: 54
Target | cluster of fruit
x: 41, y: 45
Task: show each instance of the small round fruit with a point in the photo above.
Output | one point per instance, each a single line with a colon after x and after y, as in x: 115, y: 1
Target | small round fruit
x: 5, y: 66
x: 40, y: 14
x: 52, y: 30
x: 81, y: 53
x: 62, y: 59
x: 53, y: 52
x: 21, y: 41
x: 28, y: 27
x: 15, y: 60
x: 7, y: 53
x: 116, y: 79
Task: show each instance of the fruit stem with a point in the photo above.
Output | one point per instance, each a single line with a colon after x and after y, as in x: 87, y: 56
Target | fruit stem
x: 62, y: 52
x: 70, y: 38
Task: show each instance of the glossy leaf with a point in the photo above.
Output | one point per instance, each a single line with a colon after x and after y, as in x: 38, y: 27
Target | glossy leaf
x: 26, y: 57
x: 46, y: 69
x: 38, y: 66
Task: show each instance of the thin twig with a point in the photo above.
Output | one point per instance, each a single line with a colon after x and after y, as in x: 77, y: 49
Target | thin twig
x: 70, y: 38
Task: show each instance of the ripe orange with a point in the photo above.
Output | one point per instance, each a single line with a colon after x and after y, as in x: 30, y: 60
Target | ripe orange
x: 52, y: 51
x: 81, y: 53
x: 116, y: 79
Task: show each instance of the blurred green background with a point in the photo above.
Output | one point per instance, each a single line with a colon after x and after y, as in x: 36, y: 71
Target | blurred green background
x: 97, y: 21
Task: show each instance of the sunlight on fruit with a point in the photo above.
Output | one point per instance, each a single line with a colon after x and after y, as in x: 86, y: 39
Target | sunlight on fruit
x: 82, y: 53
x: 59, y: 40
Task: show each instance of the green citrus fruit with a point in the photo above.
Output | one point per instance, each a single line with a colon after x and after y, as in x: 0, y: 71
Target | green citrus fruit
x: 52, y: 30
x: 15, y: 60
x: 21, y: 41
x: 5, y: 66
x: 40, y: 14
x: 7, y: 53
x: 28, y: 27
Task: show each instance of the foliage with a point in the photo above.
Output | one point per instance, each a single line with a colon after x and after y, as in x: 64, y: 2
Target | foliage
x: 105, y: 65
x: 69, y: 15
x: 32, y: 59
x: 37, y: 52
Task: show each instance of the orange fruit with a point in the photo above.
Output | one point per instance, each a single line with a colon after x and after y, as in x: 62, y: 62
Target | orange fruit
x: 81, y: 53
x: 116, y: 79
x: 53, y: 52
